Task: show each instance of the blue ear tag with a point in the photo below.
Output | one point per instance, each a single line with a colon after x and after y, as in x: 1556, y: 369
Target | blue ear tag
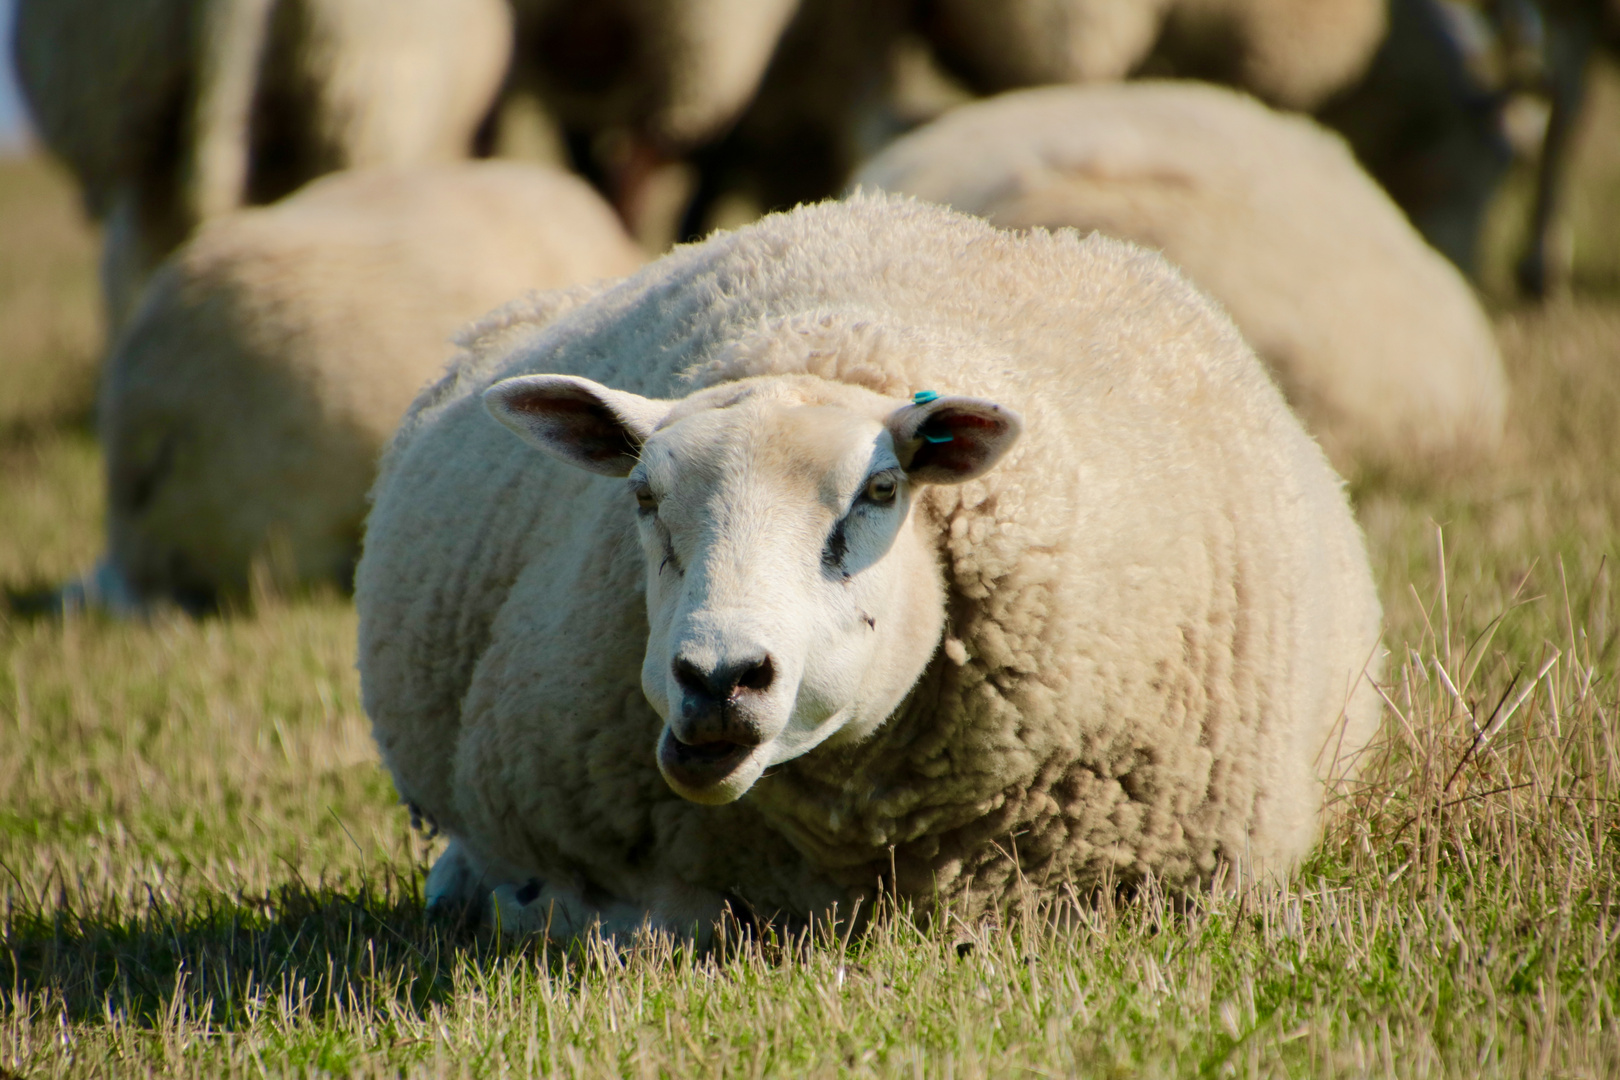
x: 923, y: 397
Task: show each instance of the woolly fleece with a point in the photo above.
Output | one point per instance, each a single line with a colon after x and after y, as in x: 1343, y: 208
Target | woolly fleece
x: 1161, y: 622
x: 675, y: 71
x: 172, y: 111
x: 1376, y: 339
x: 245, y: 408
x: 1292, y: 53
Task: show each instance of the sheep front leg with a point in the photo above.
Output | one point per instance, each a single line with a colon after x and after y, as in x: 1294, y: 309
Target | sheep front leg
x: 458, y: 885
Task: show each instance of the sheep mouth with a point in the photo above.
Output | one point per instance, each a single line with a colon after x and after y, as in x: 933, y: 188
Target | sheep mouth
x: 700, y: 770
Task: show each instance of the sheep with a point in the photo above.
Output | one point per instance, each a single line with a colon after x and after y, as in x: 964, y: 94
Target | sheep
x: 1578, y: 31
x: 675, y: 71
x: 170, y: 112
x: 816, y: 104
x: 636, y: 84
x: 1437, y: 119
x: 1377, y: 340
x: 1292, y: 53
x: 1428, y: 119
x: 243, y: 410
x: 946, y: 559
x: 819, y: 103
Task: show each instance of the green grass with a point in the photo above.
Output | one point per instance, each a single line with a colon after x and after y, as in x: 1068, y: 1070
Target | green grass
x: 204, y: 872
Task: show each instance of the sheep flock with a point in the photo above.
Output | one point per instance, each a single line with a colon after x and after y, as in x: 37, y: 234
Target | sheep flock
x: 958, y: 512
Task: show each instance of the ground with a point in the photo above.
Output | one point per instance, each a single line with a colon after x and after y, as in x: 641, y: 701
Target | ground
x: 204, y: 871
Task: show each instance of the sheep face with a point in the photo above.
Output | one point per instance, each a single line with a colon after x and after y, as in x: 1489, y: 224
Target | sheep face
x: 792, y: 597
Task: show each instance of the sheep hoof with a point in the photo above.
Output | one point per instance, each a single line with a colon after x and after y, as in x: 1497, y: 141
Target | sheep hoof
x: 455, y: 888
x: 517, y: 912
x: 103, y: 589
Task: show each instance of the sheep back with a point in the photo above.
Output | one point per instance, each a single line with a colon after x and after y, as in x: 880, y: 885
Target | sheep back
x: 1293, y: 53
x: 1377, y: 340
x: 245, y: 406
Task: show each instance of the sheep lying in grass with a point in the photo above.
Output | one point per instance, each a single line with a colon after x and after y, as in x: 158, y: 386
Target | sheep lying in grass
x: 1376, y: 339
x: 940, y: 555
x: 243, y: 410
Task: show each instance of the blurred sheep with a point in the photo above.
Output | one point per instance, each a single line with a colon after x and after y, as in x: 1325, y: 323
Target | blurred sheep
x: 1375, y: 339
x: 170, y: 112
x: 823, y: 97
x: 1292, y: 53
x: 635, y: 84
x: 1431, y: 120
x: 1576, y: 31
x: 244, y: 408
x: 1427, y: 121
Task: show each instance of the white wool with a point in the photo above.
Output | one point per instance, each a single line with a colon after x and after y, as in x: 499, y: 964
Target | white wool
x: 1376, y: 339
x: 1159, y: 626
x: 155, y: 104
x: 244, y: 408
x: 1292, y: 53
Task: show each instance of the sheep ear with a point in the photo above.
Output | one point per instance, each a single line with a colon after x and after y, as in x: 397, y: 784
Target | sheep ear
x: 946, y: 440
x: 582, y: 422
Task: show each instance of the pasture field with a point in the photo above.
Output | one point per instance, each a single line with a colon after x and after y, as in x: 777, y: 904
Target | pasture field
x: 203, y: 871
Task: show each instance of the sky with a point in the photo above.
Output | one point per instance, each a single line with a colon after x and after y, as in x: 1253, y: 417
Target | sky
x: 13, y: 121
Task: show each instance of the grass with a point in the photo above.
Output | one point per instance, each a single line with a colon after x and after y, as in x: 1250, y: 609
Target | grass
x: 203, y: 870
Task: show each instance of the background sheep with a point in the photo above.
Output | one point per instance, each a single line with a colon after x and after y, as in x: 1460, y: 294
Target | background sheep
x: 675, y: 72
x: 1156, y: 610
x: 777, y: 108
x: 1294, y: 53
x: 1448, y: 103
x: 812, y: 119
x: 1577, y: 31
x: 171, y: 111
x: 1377, y: 341
x: 243, y: 411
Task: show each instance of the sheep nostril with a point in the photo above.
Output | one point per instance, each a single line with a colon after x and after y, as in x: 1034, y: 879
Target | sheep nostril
x: 691, y: 679
x: 724, y: 683
x: 758, y: 675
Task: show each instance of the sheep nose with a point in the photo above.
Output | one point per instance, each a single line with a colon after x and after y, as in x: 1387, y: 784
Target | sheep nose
x: 717, y: 705
x: 725, y: 681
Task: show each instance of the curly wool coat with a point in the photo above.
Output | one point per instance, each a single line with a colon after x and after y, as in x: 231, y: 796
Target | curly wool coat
x: 171, y: 112
x: 243, y: 410
x: 1376, y: 339
x: 1293, y: 53
x: 1161, y: 625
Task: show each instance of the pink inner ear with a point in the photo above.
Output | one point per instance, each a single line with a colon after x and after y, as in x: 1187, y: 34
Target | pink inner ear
x: 962, y: 441
x: 582, y: 425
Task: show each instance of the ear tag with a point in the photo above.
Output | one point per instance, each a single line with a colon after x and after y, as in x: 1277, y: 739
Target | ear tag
x: 923, y: 397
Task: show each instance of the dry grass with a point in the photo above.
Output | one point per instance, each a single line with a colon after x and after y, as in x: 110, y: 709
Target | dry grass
x: 50, y: 309
x: 203, y: 871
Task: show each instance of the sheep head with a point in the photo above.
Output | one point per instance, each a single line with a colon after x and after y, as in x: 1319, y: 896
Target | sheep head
x: 791, y: 597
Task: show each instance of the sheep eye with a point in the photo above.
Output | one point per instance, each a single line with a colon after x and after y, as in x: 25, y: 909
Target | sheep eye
x: 645, y: 499
x: 881, y: 488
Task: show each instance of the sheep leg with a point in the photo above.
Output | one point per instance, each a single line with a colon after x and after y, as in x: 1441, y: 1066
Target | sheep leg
x: 1570, y: 39
x: 457, y: 886
x: 104, y: 588
x: 560, y: 910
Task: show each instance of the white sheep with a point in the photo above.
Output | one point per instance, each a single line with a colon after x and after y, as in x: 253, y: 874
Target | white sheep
x: 170, y: 112
x: 946, y: 555
x: 1376, y: 339
x: 1292, y: 53
x: 676, y: 72
x: 243, y: 410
